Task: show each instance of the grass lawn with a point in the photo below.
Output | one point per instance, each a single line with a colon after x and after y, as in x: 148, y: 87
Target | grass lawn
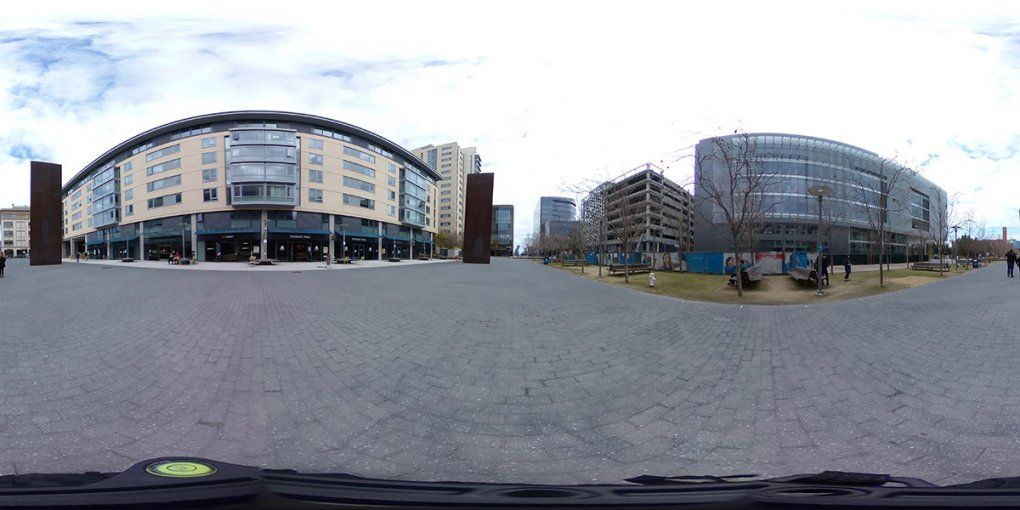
x: 772, y: 290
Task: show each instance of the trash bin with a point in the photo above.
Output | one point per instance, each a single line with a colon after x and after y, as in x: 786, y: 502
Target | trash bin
x: 975, y: 263
x: 545, y: 260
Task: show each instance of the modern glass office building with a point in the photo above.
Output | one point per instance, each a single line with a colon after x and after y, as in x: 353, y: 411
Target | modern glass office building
x: 502, y: 230
x: 269, y: 184
x: 791, y: 164
x: 555, y: 215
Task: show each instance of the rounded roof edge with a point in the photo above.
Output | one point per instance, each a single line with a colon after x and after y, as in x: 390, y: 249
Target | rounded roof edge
x: 808, y: 137
x: 243, y: 115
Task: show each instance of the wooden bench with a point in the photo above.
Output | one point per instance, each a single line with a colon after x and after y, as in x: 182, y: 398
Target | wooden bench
x: 636, y: 268
x: 572, y: 263
x: 260, y: 262
x: 930, y: 266
x: 345, y: 260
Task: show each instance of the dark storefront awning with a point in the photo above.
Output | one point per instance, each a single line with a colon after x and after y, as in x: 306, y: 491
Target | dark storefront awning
x: 349, y: 234
x: 227, y: 230
x: 297, y: 230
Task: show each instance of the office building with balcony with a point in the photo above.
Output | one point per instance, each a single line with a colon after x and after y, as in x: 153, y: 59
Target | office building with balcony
x: 862, y: 185
x: 265, y: 184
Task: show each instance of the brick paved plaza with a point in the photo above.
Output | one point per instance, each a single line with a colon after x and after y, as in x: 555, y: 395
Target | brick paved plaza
x: 508, y: 372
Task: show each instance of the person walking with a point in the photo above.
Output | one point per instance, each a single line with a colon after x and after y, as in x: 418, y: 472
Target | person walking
x: 3, y: 263
x: 77, y: 256
x: 846, y: 268
x: 1010, y: 262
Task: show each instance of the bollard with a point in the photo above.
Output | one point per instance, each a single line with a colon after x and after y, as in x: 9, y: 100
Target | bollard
x: 651, y: 279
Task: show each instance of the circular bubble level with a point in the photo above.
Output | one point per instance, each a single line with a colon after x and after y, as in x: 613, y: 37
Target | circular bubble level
x: 180, y: 469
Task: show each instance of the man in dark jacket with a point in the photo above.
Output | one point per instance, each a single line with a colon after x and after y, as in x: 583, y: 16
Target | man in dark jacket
x: 1010, y: 262
x: 3, y: 263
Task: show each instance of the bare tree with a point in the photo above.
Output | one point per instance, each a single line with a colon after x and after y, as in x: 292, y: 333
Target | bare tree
x: 625, y: 221
x: 939, y: 221
x: 576, y: 242
x: 876, y: 195
x: 591, y: 195
x: 733, y: 182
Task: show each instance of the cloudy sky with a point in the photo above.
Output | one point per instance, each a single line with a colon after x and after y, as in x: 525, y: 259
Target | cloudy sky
x: 550, y: 92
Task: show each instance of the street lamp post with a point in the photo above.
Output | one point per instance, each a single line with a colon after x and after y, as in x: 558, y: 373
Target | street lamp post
x: 329, y: 250
x: 956, y: 237
x: 819, y: 191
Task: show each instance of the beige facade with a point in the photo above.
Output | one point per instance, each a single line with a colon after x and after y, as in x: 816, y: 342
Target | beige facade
x: 453, y: 163
x: 14, y: 231
x: 340, y: 172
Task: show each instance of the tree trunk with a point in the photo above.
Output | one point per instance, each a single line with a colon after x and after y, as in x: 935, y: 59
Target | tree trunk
x: 740, y: 279
x: 881, y: 253
x: 626, y: 265
x: 940, y: 260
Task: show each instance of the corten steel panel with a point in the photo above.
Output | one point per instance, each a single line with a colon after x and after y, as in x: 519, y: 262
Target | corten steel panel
x: 478, y: 219
x: 46, y: 229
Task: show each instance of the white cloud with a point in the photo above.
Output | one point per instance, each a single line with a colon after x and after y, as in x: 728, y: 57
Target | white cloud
x: 550, y: 92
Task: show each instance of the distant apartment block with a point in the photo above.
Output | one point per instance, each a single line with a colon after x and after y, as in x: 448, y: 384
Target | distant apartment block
x: 453, y: 163
x: 14, y: 232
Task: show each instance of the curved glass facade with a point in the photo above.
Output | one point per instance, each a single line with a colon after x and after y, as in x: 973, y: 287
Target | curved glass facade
x: 790, y: 165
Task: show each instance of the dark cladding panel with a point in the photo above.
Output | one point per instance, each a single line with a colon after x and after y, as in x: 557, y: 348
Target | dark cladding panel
x: 46, y: 229
x: 478, y: 219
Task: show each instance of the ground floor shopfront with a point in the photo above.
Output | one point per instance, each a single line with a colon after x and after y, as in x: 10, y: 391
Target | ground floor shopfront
x: 232, y: 236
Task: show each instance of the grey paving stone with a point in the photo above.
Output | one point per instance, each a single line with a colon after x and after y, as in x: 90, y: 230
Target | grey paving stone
x: 507, y: 372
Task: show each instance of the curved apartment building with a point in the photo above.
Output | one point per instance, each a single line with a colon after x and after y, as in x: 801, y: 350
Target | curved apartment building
x: 269, y: 184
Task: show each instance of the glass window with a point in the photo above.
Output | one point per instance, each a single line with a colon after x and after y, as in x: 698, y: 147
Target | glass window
x: 280, y: 137
x: 392, y: 168
x: 129, y: 210
x: 164, y: 183
x: 209, y: 142
x: 281, y: 172
x: 359, y: 154
x: 164, y: 200
x: 210, y: 194
x: 361, y: 169
x: 392, y: 181
x: 248, y: 136
x: 351, y: 182
x: 208, y: 157
x: 315, y: 195
x: 314, y: 159
x: 129, y: 194
x: 163, y: 167
x: 279, y: 191
x: 392, y: 195
x: 358, y: 201
x: 128, y: 166
x: 166, y: 151
x: 315, y: 176
x: 391, y: 210
x: 129, y: 180
x: 209, y: 175
x: 315, y: 143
